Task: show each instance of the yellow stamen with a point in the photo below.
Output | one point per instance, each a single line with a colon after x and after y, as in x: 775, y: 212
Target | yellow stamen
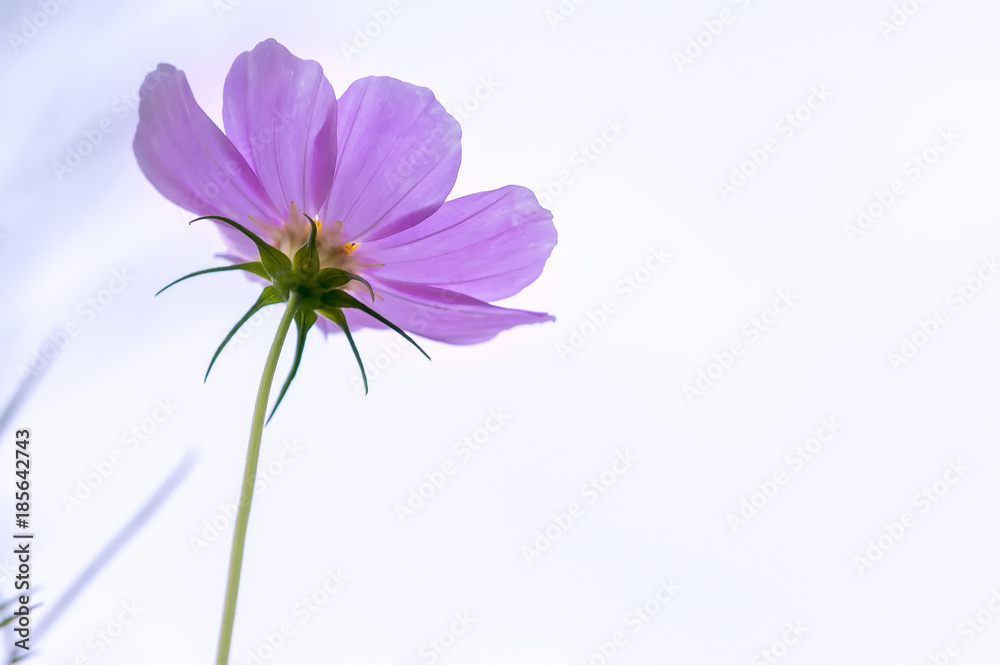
x: 350, y: 247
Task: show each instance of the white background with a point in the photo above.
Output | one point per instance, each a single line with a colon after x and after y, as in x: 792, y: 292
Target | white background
x: 557, y: 84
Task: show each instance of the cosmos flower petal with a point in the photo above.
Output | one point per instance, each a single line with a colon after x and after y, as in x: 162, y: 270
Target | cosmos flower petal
x: 440, y: 314
x: 488, y: 245
x: 281, y: 113
x: 375, y: 167
x: 397, y: 158
x: 188, y: 158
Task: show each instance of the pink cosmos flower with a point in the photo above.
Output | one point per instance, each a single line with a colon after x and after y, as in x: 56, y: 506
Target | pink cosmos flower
x: 373, y: 169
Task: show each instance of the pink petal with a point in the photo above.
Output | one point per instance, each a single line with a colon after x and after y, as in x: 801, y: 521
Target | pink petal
x: 440, y: 314
x: 188, y: 159
x: 488, y: 245
x: 281, y: 113
x: 397, y: 158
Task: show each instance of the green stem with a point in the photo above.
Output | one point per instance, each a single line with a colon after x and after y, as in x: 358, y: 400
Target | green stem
x: 249, y: 476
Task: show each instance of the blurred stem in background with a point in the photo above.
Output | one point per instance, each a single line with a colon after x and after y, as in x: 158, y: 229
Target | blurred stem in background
x: 131, y: 528
x: 109, y: 551
x: 23, y: 391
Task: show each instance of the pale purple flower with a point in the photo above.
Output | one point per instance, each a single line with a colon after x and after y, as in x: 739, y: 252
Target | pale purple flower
x: 374, y: 167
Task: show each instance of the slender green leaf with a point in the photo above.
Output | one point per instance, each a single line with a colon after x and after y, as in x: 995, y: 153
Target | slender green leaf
x: 344, y: 299
x: 255, y: 267
x: 338, y: 317
x: 304, y: 320
x: 274, y: 260
x: 269, y: 296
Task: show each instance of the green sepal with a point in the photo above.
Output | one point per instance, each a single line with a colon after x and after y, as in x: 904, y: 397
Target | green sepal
x: 255, y: 267
x: 306, y: 259
x: 274, y: 260
x: 304, y: 320
x: 337, y: 316
x: 331, y: 278
x: 269, y: 296
x: 337, y: 298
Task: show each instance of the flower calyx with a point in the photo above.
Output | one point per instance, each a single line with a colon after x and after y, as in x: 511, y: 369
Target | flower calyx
x: 317, y: 292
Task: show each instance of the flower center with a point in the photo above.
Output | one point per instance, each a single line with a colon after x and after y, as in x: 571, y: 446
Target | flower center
x: 335, y: 250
